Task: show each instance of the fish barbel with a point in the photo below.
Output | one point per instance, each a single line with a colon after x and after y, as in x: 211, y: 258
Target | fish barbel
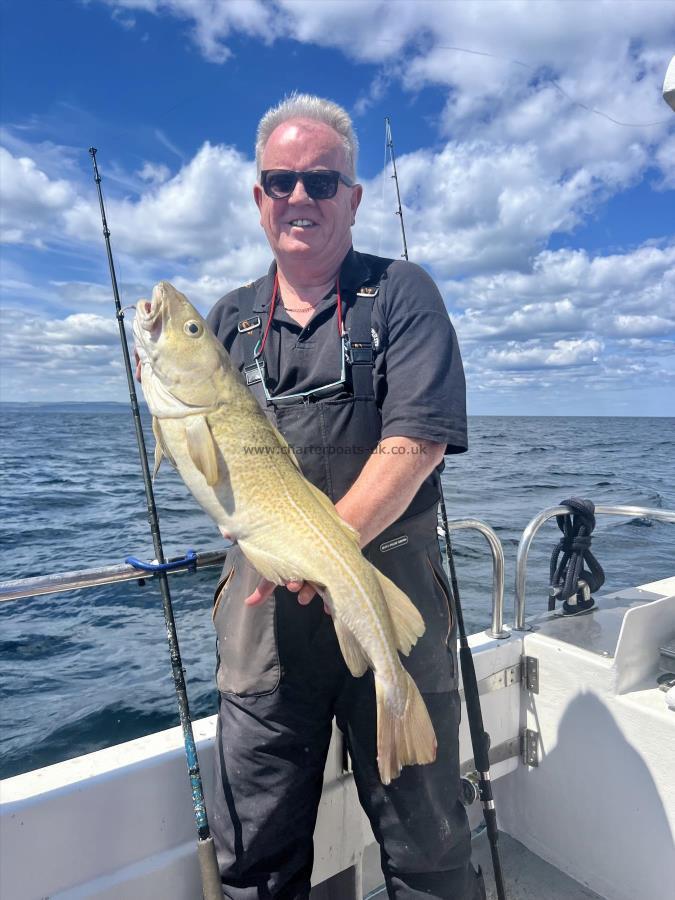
x: 210, y: 427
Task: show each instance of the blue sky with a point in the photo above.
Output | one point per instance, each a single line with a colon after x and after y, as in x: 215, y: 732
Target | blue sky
x: 550, y: 229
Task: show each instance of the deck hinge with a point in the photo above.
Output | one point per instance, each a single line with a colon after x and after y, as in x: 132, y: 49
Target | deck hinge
x: 530, y: 747
x: 530, y: 668
x: 497, y: 680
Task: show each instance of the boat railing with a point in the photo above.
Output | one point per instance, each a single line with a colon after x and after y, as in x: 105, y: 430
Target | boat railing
x: 496, y: 629
x: 633, y: 512
x: 86, y: 578
x: 96, y: 577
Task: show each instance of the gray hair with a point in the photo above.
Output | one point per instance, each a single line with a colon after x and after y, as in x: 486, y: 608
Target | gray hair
x: 307, y: 106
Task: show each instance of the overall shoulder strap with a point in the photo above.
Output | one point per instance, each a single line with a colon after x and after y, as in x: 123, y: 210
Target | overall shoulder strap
x: 361, y: 353
x: 249, y: 330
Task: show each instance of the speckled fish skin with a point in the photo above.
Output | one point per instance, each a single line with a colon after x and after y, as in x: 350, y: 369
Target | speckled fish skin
x: 242, y: 472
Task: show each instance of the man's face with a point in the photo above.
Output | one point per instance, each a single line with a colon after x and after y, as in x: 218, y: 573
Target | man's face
x: 301, y: 230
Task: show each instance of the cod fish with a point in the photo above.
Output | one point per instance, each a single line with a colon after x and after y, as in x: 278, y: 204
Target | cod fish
x: 205, y: 422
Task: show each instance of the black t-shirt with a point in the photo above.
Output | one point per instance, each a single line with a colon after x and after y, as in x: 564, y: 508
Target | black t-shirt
x: 418, y: 377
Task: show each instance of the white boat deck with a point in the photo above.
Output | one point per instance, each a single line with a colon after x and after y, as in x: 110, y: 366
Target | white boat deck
x: 526, y: 875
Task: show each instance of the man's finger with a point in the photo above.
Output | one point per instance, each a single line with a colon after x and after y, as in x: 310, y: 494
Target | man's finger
x: 264, y: 590
x: 294, y: 586
x: 138, y: 365
x: 307, y: 594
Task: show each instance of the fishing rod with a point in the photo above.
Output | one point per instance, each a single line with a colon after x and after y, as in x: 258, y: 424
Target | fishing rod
x: 208, y: 864
x: 480, y: 739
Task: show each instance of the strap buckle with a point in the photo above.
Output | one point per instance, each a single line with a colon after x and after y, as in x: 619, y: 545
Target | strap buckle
x: 254, y: 372
x: 247, y: 325
x: 368, y: 291
x: 359, y: 353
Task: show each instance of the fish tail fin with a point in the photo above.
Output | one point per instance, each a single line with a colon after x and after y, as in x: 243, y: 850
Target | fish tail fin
x: 403, y: 740
x: 406, y: 618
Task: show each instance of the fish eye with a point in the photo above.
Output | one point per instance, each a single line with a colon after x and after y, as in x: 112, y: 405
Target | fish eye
x: 192, y: 327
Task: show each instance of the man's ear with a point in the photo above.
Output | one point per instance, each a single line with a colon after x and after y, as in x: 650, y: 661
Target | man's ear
x: 357, y: 194
x: 258, y: 197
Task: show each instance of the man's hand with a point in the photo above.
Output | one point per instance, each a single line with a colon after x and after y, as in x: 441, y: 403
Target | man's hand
x: 305, y: 590
x: 265, y: 589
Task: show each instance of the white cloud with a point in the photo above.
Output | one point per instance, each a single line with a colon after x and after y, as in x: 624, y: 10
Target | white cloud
x: 30, y: 202
x: 153, y: 173
x: 560, y: 355
x: 478, y: 207
x: 665, y: 156
x: 79, y: 352
x: 205, y: 211
x: 212, y: 20
x: 76, y: 330
x: 642, y: 326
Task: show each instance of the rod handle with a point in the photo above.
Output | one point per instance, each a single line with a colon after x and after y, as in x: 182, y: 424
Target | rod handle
x: 208, y: 866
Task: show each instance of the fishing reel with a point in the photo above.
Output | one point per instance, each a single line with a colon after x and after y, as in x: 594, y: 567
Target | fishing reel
x: 469, y: 790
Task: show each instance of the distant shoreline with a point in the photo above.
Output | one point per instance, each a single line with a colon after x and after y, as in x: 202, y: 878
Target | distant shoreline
x: 119, y: 405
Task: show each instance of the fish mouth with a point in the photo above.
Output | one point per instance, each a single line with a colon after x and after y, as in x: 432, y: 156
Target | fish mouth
x: 150, y: 314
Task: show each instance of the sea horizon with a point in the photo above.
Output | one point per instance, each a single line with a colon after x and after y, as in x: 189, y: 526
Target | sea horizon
x: 122, y: 404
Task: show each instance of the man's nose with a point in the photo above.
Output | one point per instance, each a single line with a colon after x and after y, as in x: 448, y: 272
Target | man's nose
x: 299, y: 194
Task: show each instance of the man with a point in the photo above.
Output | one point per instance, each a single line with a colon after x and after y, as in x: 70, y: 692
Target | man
x: 354, y: 359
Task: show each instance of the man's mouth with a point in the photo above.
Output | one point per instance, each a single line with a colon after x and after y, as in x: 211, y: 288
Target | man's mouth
x: 302, y: 223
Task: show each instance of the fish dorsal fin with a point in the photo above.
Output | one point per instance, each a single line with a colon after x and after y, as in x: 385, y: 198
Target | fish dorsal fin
x: 328, y: 505
x: 160, y: 447
x: 202, y: 448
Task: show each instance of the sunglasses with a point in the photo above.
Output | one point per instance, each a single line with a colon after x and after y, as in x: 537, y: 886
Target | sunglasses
x: 320, y: 184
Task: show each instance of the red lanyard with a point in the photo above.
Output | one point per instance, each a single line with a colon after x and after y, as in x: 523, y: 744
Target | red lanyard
x: 275, y: 294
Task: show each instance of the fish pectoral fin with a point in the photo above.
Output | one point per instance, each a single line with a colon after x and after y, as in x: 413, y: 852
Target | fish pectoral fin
x: 268, y: 566
x: 329, y: 506
x: 160, y: 447
x: 406, y: 618
x: 202, y: 448
x: 351, y: 649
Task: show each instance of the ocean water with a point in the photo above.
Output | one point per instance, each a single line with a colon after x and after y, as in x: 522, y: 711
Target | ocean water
x: 86, y: 669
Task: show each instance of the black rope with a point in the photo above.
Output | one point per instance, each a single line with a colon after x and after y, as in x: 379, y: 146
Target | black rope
x: 570, y: 581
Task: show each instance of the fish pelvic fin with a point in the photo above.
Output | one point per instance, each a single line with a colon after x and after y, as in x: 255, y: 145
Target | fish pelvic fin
x: 406, y: 740
x: 158, y: 459
x: 202, y: 448
x: 406, y: 618
x: 160, y: 447
x: 351, y: 649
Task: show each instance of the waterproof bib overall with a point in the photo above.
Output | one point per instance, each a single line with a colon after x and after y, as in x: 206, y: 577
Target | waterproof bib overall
x: 281, y: 676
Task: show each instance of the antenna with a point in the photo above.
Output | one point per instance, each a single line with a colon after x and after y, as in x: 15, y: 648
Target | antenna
x: 399, y: 211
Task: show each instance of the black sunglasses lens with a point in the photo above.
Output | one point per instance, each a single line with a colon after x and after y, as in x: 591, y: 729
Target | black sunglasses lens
x: 321, y: 185
x: 279, y: 184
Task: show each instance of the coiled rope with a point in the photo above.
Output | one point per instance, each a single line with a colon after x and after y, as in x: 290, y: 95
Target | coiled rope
x: 570, y: 582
